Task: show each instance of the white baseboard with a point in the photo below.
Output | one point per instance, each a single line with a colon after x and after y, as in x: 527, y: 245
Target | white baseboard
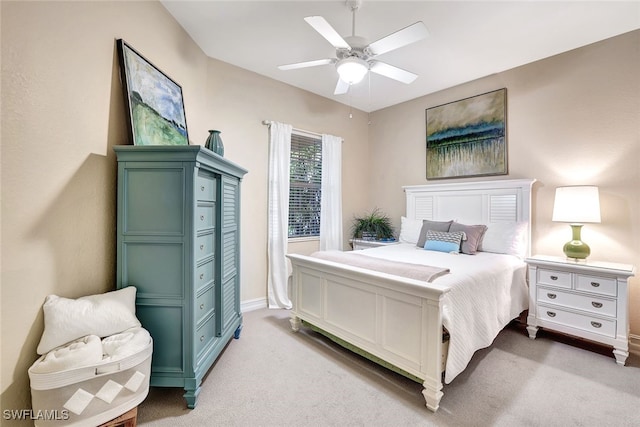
x: 253, y: 304
x: 634, y: 344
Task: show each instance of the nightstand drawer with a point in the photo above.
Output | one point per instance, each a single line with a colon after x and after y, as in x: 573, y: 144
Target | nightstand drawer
x: 588, y: 303
x: 586, y: 323
x: 598, y: 285
x: 554, y: 278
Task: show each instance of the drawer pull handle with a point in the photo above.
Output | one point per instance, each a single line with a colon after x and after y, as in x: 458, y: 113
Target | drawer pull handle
x: 201, y: 338
x: 201, y: 276
x: 551, y: 314
x: 595, y: 284
x: 596, y: 324
x: 596, y: 304
x: 201, y: 217
x: 201, y: 247
x: 202, y: 188
x: 551, y: 296
x: 201, y: 306
x: 554, y: 277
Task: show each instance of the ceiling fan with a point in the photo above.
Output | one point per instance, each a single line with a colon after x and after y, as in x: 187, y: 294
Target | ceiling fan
x: 354, y: 57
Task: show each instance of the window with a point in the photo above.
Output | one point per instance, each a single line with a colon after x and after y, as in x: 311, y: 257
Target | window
x: 305, y: 181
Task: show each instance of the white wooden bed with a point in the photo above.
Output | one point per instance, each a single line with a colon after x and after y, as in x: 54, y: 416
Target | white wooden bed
x: 394, y: 319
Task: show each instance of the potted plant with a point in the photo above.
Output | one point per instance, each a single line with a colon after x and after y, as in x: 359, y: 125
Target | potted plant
x: 372, y: 226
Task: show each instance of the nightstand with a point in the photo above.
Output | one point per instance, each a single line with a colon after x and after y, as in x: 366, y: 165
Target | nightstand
x: 359, y: 244
x: 586, y: 299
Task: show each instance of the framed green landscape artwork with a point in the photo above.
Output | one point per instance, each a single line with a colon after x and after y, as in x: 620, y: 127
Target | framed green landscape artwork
x: 154, y: 101
x: 468, y: 137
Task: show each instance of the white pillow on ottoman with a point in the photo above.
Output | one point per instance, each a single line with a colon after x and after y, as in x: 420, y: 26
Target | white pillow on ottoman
x: 66, y: 320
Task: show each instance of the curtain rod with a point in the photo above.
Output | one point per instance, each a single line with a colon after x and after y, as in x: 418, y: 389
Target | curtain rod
x: 268, y: 122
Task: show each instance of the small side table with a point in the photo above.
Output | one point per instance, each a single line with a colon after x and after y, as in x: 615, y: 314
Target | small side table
x: 359, y: 244
x: 128, y: 419
x: 586, y: 299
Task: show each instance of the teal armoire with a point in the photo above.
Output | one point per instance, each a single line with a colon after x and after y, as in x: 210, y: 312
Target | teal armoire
x: 178, y: 243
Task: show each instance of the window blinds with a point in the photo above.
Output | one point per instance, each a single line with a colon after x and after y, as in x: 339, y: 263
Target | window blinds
x: 305, y: 185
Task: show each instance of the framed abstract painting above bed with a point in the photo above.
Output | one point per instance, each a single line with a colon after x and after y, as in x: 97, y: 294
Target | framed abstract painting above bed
x: 154, y: 102
x: 468, y: 137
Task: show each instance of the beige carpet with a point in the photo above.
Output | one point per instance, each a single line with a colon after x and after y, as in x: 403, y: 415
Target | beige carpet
x: 274, y: 377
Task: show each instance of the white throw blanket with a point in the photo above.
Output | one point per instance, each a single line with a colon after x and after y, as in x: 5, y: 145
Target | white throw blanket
x: 426, y: 273
x: 90, y: 350
x: 119, y: 346
x: 487, y: 291
x: 84, y: 351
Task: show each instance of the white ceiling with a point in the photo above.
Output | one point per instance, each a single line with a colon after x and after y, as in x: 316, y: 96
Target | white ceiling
x: 467, y: 39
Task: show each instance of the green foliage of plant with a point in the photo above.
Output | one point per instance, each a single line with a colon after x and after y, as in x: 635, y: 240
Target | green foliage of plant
x: 374, y: 225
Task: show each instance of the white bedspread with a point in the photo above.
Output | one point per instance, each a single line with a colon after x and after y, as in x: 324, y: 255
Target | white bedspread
x: 487, y: 291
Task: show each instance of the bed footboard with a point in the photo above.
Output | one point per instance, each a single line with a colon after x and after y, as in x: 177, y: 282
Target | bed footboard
x: 395, y: 319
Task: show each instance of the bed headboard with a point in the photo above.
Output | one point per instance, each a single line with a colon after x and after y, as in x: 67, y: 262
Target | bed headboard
x: 477, y: 202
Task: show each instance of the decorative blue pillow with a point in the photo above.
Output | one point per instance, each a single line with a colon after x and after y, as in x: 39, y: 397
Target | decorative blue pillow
x: 443, y: 241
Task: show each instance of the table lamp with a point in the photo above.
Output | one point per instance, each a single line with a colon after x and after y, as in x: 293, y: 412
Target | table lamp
x: 576, y: 205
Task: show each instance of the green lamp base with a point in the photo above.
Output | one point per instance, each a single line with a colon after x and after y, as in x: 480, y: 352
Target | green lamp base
x: 576, y: 248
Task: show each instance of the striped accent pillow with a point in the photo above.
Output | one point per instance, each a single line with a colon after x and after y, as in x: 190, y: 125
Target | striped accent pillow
x: 443, y: 241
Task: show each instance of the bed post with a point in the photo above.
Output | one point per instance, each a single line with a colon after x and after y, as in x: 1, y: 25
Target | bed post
x: 432, y: 318
x: 295, y: 322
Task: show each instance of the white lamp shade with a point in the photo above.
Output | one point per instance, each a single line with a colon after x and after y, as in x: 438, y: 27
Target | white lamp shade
x: 577, y: 204
x: 352, y: 70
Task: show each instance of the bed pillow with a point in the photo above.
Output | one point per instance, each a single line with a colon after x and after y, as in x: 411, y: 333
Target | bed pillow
x: 505, y: 238
x: 443, y: 241
x: 409, y: 230
x: 474, y: 235
x: 66, y: 320
x: 431, y: 225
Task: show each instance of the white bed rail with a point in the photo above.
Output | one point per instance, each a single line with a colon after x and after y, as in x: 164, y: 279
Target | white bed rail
x: 393, y: 318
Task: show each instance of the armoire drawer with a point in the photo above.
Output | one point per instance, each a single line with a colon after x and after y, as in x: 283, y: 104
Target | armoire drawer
x: 204, y: 274
x: 205, y: 245
x: 205, y: 216
x: 204, y: 335
x: 593, y: 304
x: 204, y: 305
x: 583, y: 322
x: 205, y: 187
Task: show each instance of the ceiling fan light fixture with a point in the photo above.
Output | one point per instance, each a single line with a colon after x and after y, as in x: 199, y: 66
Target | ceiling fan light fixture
x: 352, y: 70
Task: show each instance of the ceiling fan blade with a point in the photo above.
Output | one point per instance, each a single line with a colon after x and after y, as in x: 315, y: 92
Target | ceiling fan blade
x: 392, y: 72
x: 327, y: 31
x: 411, y: 34
x: 306, y: 64
x: 341, y: 88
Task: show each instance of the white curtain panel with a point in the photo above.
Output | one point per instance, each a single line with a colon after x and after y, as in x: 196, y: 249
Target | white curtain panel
x: 331, y: 206
x: 278, y: 270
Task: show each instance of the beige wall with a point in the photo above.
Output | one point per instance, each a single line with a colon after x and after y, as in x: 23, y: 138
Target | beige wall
x: 62, y: 113
x: 572, y: 119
